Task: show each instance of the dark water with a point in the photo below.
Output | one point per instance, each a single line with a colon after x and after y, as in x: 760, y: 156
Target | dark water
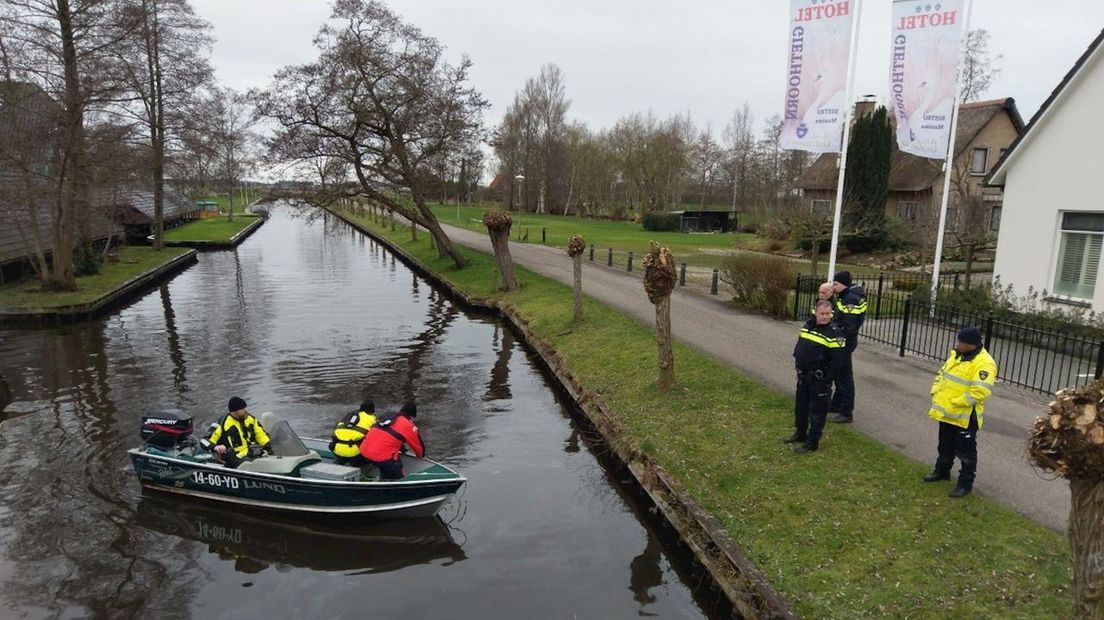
x: 305, y: 319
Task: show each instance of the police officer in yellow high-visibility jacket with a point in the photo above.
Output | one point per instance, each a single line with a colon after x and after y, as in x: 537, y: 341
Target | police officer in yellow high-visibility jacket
x: 958, y: 402
x: 349, y: 432
x: 231, y: 437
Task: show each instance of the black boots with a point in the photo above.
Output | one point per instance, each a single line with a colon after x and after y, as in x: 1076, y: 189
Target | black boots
x: 795, y: 438
x: 936, y: 477
x: 806, y: 447
x: 839, y: 418
x: 959, y: 492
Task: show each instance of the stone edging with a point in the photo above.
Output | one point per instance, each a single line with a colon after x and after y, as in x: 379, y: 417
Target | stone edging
x: 47, y: 317
x: 241, y: 235
x: 745, y: 586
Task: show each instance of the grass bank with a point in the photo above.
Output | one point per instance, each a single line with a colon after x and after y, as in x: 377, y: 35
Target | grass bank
x: 133, y: 261
x: 210, y: 229
x: 240, y: 201
x: 844, y: 533
x: 698, y: 250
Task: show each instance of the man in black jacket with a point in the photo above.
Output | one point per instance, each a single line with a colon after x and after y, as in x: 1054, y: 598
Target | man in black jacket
x: 817, y: 356
x: 850, y: 313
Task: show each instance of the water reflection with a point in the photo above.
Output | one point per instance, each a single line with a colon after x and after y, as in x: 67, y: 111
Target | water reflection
x: 253, y: 542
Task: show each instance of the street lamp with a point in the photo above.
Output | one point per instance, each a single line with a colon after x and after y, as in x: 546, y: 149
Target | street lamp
x: 519, y: 179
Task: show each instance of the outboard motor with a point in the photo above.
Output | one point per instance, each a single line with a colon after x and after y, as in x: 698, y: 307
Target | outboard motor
x: 166, y: 428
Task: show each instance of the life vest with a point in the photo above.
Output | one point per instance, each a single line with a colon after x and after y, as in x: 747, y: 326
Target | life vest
x: 961, y: 387
x: 238, y: 435
x: 349, y: 433
x: 386, y: 438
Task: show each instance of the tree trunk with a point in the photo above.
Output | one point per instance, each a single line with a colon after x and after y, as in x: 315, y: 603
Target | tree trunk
x: 577, y: 269
x: 969, y: 264
x: 1086, y: 534
x: 815, y: 251
x: 500, y: 241
x: 73, y: 202
x: 5, y: 393
x: 413, y: 231
x: 663, y: 335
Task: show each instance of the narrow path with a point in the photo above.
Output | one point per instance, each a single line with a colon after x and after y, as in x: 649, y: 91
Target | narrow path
x: 892, y: 392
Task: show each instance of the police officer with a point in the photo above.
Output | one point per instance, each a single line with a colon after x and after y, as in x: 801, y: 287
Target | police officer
x: 825, y: 292
x: 958, y: 402
x: 817, y: 356
x: 230, y: 439
x: 850, y: 312
x: 349, y: 432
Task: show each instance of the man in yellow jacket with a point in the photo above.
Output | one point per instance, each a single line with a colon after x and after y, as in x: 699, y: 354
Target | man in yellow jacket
x: 958, y: 402
x: 231, y: 437
x: 349, y: 432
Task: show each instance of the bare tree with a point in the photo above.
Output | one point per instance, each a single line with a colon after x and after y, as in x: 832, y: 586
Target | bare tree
x: 978, y: 65
x: 659, y: 281
x: 498, y: 223
x: 381, y: 97
x: 739, y: 140
x: 706, y: 157
x: 575, y: 248
x: 234, y: 138
x: 970, y: 230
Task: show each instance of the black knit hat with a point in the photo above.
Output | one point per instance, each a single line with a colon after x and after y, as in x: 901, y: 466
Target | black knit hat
x: 844, y: 278
x: 409, y: 409
x: 235, y: 404
x: 970, y: 335
x: 368, y: 406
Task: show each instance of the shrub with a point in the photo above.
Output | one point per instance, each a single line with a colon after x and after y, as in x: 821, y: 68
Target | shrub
x: 660, y: 221
x: 898, y: 235
x: 910, y: 284
x: 759, y: 281
x: 85, y: 261
x: 776, y: 228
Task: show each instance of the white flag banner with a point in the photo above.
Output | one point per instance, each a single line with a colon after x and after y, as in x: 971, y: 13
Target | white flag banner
x: 816, y: 84
x: 923, y: 81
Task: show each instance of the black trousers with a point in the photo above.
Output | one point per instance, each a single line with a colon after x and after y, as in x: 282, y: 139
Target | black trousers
x: 843, y: 400
x: 955, y: 441
x: 389, y: 470
x: 811, y: 407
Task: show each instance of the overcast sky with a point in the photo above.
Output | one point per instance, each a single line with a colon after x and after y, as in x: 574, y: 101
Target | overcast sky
x: 705, y: 57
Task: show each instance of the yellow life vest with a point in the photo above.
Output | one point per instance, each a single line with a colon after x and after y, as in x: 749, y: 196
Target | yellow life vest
x: 961, y: 387
x: 348, y: 434
x: 239, y: 435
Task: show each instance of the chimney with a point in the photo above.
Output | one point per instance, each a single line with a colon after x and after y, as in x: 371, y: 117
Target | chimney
x: 865, y: 105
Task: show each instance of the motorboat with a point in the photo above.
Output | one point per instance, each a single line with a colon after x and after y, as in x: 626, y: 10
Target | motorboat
x: 299, y: 476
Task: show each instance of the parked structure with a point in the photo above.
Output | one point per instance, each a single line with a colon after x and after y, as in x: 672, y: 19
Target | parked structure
x: 706, y: 221
x: 132, y: 207
x: 986, y: 129
x: 1052, y: 228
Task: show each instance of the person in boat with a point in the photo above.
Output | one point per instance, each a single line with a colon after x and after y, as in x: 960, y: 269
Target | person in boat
x: 233, y: 438
x: 349, y: 432
x: 384, y: 441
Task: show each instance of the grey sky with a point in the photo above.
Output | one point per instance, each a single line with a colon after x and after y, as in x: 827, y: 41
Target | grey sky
x: 704, y: 57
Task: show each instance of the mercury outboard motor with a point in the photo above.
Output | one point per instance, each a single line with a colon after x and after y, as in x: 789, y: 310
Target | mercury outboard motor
x: 166, y: 428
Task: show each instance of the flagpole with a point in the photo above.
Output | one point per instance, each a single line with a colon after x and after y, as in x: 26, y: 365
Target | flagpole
x: 948, y: 163
x: 849, y: 107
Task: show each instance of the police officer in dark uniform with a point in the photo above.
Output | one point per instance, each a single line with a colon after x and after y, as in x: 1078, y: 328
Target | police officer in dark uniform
x: 818, y: 357
x: 850, y: 312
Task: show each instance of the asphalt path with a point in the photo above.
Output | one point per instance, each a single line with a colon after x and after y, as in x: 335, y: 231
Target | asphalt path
x: 892, y: 393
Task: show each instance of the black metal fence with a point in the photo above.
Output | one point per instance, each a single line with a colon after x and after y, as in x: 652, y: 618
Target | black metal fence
x: 1028, y: 356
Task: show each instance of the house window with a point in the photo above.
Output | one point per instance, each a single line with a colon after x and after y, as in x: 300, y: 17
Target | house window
x: 994, y: 219
x: 822, y: 207
x: 908, y: 210
x: 979, y: 161
x: 1079, y: 255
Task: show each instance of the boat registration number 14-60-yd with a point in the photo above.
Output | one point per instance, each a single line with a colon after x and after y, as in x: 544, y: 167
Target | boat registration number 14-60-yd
x: 222, y: 481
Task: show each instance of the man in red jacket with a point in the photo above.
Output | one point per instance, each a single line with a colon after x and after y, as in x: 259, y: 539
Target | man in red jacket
x: 385, y: 439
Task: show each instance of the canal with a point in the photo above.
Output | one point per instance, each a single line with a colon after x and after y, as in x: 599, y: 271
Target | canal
x: 305, y: 319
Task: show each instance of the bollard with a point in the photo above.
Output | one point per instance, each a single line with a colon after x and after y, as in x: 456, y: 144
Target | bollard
x: 682, y: 275
x: 609, y: 259
x: 630, y: 261
x: 713, y: 287
x: 592, y: 252
x: 543, y: 238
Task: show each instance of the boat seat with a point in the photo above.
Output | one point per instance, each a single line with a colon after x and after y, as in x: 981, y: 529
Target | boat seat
x: 281, y: 465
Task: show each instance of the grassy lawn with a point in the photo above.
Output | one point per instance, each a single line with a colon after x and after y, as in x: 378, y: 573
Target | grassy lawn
x: 239, y: 206
x: 133, y: 261
x: 697, y: 250
x: 215, y: 229
x: 847, y: 532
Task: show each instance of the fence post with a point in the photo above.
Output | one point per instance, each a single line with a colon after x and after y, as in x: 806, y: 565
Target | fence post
x: 878, y: 301
x: 904, y: 327
x: 542, y: 234
x: 1100, y: 359
x: 988, y: 329
x: 713, y: 287
x: 956, y: 282
x: 592, y: 252
x: 682, y: 275
x: 797, y: 297
x: 630, y: 261
x: 609, y: 259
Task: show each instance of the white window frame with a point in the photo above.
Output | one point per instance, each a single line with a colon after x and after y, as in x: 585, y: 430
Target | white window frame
x: 827, y: 204
x: 910, y: 214
x: 1058, y: 254
x: 984, y: 163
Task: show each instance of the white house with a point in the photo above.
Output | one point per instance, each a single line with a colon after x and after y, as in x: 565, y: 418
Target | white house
x: 1052, y: 222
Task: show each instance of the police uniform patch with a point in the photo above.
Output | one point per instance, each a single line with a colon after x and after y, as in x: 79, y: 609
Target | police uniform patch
x: 984, y: 375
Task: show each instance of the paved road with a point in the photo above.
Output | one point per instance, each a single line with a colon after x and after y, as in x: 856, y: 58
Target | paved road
x: 762, y: 348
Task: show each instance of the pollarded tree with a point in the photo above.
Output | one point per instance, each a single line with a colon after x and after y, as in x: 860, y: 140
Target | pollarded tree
x: 575, y: 249
x: 498, y: 223
x: 381, y: 97
x: 659, y: 281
